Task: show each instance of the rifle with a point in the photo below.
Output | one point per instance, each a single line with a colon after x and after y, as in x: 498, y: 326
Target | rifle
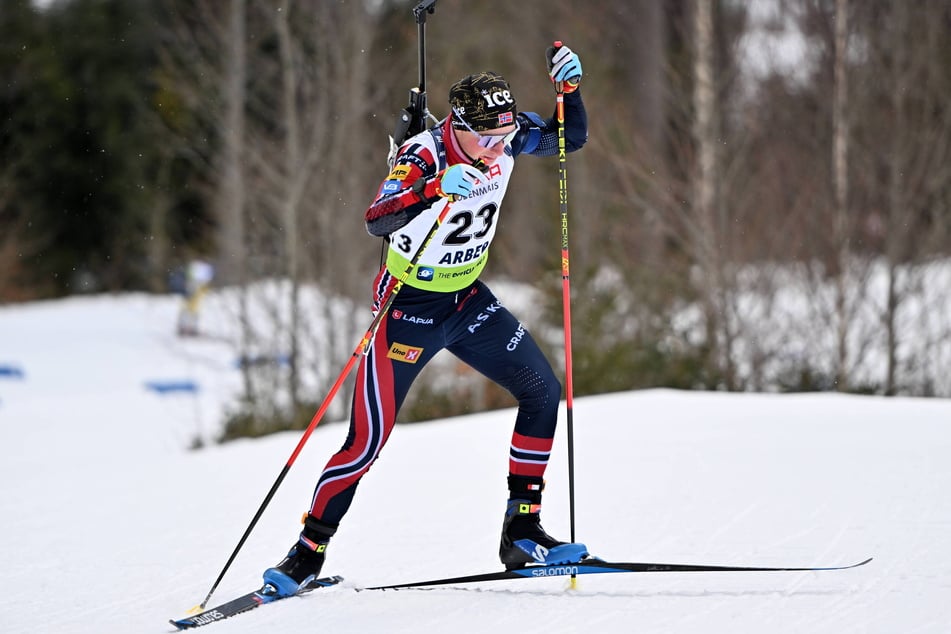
x: 412, y: 119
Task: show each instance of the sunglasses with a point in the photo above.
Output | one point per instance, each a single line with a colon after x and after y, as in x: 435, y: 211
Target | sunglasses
x: 489, y: 140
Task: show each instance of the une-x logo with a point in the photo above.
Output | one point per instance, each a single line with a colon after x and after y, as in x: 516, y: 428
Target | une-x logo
x: 404, y: 353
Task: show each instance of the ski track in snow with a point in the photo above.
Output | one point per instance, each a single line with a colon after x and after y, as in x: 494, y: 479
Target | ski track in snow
x: 111, y: 525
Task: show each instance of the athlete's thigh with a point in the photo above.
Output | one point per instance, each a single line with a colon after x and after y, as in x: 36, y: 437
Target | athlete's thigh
x: 497, y: 345
x: 404, y: 344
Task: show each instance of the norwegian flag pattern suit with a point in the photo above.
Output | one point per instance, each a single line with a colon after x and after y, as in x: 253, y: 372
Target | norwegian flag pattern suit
x: 444, y: 305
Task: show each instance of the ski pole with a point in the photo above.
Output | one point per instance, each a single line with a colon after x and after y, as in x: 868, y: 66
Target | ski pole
x: 565, y: 294
x: 361, y: 350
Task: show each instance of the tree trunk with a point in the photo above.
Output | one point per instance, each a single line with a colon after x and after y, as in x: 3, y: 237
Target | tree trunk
x: 291, y: 198
x: 706, y: 227
x: 840, y: 179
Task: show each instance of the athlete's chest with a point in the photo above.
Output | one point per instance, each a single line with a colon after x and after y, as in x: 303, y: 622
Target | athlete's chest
x: 474, y: 218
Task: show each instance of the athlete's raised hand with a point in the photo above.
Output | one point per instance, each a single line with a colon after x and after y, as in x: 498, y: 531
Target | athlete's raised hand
x: 564, y: 68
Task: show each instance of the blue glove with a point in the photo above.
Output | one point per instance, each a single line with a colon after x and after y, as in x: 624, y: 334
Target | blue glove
x: 564, y: 67
x: 456, y: 182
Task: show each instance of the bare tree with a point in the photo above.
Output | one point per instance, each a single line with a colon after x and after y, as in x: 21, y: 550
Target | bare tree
x: 205, y: 60
x: 691, y: 197
x: 904, y: 138
x: 295, y: 171
x: 707, y: 234
x: 840, y: 178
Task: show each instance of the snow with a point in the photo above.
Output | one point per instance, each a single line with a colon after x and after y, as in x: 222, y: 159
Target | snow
x: 774, y: 43
x: 111, y: 524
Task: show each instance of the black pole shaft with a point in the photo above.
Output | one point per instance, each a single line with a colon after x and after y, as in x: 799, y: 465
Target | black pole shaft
x: 566, y: 306
x: 566, y: 297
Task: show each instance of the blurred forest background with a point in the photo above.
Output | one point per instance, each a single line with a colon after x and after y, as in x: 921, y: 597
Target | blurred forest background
x: 764, y: 202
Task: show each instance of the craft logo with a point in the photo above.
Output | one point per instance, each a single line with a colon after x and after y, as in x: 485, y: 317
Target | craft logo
x: 516, y: 338
x: 404, y: 353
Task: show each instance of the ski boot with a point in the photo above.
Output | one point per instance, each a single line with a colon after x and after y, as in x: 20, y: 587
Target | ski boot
x: 524, y: 541
x: 304, y: 560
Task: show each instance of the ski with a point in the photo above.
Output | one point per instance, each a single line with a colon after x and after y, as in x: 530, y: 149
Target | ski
x: 249, y: 601
x: 597, y: 566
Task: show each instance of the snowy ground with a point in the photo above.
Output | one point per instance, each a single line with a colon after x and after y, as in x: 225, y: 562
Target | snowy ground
x: 110, y: 525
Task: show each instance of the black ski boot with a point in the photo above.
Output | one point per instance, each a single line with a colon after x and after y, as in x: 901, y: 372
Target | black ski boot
x: 524, y: 541
x: 303, y: 561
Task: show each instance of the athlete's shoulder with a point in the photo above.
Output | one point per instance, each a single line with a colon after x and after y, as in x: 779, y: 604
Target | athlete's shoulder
x: 528, y: 120
x: 421, y: 150
x: 531, y: 126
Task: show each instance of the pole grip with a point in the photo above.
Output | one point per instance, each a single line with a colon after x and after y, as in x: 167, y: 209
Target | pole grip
x: 550, y: 54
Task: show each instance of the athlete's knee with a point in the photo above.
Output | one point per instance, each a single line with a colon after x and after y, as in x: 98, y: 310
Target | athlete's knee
x: 537, y: 390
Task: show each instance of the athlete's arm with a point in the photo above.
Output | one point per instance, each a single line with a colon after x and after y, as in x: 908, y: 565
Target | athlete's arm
x: 403, y: 194
x: 539, y: 136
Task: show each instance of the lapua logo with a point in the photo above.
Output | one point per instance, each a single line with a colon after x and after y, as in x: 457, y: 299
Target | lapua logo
x: 413, y: 319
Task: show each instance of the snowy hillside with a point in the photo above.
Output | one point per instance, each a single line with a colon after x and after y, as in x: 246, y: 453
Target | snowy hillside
x: 111, y: 525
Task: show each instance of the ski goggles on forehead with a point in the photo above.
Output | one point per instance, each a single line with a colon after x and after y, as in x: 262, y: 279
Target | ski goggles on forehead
x: 489, y: 140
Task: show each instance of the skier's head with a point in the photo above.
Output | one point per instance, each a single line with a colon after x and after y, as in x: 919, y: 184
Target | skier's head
x: 483, y: 115
x: 482, y: 102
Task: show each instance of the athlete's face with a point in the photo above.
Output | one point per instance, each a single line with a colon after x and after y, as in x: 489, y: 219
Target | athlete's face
x: 475, y: 143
